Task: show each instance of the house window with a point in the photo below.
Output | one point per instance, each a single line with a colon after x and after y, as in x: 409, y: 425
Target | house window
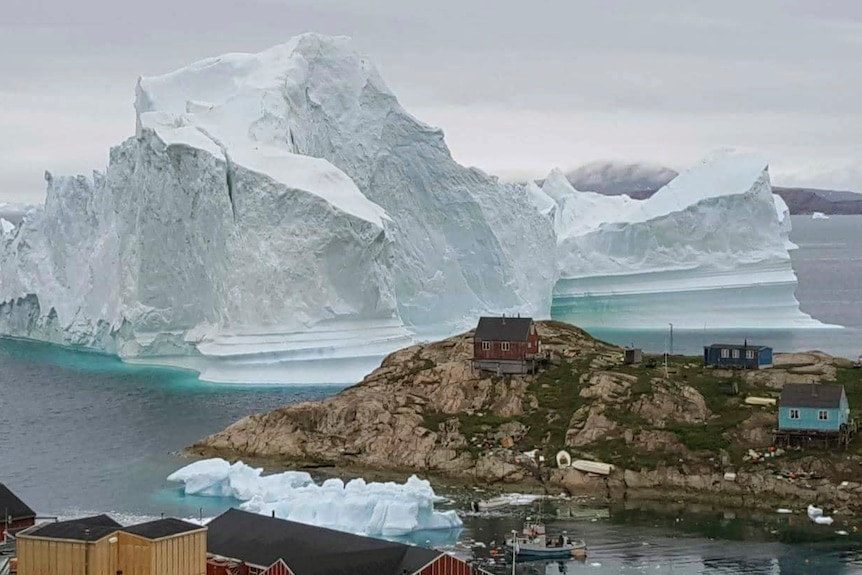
x: 823, y: 415
x: 486, y: 345
x: 725, y: 353
x: 505, y: 346
x: 794, y: 414
x: 736, y: 354
x: 749, y: 354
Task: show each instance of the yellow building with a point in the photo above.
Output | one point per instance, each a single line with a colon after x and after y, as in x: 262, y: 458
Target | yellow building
x: 101, y: 546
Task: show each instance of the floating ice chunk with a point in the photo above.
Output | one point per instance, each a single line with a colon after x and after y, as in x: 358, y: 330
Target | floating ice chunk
x: 814, y: 512
x: 385, y: 509
x: 783, y: 510
x: 819, y: 216
x: 823, y: 520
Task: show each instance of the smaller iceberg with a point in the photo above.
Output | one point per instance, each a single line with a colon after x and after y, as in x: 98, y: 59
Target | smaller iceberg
x: 819, y: 216
x: 377, y: 509
x: 816, y: 515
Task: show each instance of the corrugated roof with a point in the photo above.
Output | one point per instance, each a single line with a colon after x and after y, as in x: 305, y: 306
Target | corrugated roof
x: 736, y: 346
x: 309, y: 550
x: 11, y: 505
x: 82, y: 529
x: 826, y: 395
x: 503, y: 328
x: 162, y: 528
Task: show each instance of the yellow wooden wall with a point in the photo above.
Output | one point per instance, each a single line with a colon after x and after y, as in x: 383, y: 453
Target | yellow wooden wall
x: 134, y: 554
x: 185, y: 554
x: 65, y: 557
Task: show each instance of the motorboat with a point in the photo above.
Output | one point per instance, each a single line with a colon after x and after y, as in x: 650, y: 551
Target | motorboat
x: 534, y: 543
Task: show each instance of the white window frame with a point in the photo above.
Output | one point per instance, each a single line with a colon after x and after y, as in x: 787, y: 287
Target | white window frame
x: 505, y: 346
x: 725, y: 353
x: 823, y: 415
x: 794, y: 414
x: 486, y: 346
x: 749, y: 354
x: 734, y: 354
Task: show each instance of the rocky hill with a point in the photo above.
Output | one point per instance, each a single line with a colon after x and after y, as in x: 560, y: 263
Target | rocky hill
x: 426, y: 410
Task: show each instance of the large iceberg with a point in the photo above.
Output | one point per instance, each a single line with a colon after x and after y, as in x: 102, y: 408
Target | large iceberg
x: 273, y: 210
x: 381, y: 509
x: 708, y: 249
x: 279, y: 217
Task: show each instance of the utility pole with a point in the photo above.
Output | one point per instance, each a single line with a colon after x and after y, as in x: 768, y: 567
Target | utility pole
x: 671, y: 338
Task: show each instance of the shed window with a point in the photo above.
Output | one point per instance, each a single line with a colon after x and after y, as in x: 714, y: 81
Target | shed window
x: 486, y: 345
x: 794, y: 414
x: 749, y: 354
x: 823, y: 415
x: 725, y: 353
x: 736, y: 354
x: 505, y: 345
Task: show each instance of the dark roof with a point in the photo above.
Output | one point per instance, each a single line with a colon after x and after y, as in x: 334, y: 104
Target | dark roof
x: 82, y: 529
x: 162, y: 528
x: 11, y: 505
x: 811, y: 395
x: 736, y: 346
x: 309, y: 550
x: 503, y: 328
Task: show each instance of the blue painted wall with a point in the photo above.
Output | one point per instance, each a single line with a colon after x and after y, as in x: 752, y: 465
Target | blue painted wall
x: 809, y: 417
x: 762, y: 358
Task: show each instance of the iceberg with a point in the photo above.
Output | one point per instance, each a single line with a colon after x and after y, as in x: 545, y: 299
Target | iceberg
x: 708, y: 249
x: 819, y: 216
x: 277, y: 218
x: 377, y: 509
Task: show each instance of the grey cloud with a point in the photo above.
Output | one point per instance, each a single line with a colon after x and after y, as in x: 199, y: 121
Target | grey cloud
x: 517, y: 87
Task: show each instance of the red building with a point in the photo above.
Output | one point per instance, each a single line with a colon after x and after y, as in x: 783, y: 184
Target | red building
x: 242, y: 543
x: 14, y: 513
x: 506, y: 345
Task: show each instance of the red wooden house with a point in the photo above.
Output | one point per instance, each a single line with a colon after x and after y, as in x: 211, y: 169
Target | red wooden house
x: 242, y: 543
x: 14, y: 513
x: 506, y: 345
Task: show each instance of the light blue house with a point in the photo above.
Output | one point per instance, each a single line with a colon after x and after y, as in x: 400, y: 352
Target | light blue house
x: 818, y: 408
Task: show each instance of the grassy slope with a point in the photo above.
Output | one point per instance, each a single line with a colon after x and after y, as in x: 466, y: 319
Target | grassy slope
x: 557, y: 391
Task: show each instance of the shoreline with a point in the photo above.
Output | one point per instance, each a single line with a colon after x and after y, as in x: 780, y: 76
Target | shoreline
x: 682, y: 432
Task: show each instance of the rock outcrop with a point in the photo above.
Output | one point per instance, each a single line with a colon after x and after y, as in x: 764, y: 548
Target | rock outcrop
x: 425, y: 409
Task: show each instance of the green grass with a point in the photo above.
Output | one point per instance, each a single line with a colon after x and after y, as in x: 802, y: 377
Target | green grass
x: 557, y: 391
x: 700, y: 436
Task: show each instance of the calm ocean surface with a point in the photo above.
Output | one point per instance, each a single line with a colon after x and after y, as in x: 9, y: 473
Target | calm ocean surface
x: 82, y: 433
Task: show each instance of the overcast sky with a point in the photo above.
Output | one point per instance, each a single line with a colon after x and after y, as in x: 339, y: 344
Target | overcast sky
x: 518, y: 87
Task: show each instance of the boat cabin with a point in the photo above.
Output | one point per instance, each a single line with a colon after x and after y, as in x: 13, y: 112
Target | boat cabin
x: 506, y: 345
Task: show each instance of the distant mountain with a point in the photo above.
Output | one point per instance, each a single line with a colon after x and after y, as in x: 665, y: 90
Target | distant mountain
x: 641, y: 181
x: 810, y: 200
